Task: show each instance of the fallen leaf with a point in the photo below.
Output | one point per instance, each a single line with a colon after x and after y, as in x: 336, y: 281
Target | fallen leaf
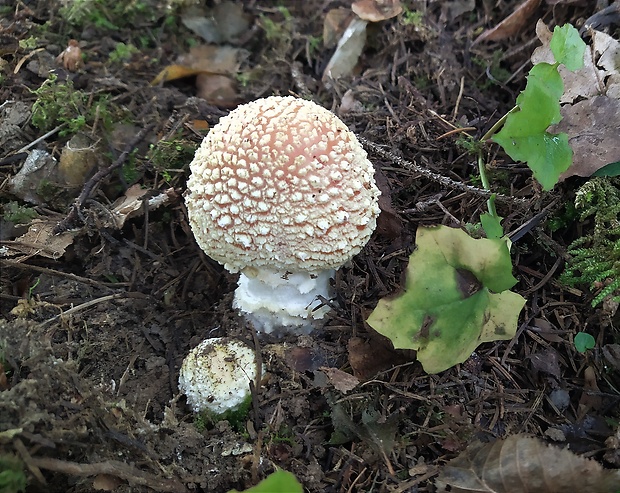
x: 342, y: 381
x: 521, y: 464
x: 592, y: 127
x: 40, y: 240
x: 456, y: 297
x: 512, y: 24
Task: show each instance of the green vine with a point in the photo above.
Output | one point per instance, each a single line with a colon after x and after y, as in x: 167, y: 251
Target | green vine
x: 596, y: 257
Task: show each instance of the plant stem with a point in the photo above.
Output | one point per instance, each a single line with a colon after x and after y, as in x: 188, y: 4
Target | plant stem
x: 497, y: 125
x: 485, y: 184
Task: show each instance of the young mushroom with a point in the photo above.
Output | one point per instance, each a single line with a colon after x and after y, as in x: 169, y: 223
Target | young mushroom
x: 215, y: 377
x: 282, y: 192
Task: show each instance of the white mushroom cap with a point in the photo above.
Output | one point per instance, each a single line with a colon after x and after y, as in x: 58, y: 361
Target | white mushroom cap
x: 281, y: 183
x: 216, y: 374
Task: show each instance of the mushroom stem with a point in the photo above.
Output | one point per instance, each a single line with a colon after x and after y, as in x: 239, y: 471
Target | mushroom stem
x: 273, y: 300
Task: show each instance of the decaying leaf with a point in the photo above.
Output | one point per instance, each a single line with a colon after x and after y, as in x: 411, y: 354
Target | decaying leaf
x: 456, y: 298
x: 208, y: 62
x: 522, y: 464
x: 342, y: 381
x: 39, y: 240
x: 592, y: 127
x: 512, y: 24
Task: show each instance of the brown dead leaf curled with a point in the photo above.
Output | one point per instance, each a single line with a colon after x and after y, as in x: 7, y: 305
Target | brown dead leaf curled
x: 522, y: 464
x: 512, y: 24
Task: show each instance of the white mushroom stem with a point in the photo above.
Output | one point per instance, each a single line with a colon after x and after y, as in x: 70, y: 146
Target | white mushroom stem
x: 273, y: 300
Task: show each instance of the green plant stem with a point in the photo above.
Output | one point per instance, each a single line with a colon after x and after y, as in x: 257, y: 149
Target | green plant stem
x: 485, y: 184
x: 497, y: 125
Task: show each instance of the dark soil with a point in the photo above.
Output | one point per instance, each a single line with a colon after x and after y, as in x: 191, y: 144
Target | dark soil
x: 92, y: 340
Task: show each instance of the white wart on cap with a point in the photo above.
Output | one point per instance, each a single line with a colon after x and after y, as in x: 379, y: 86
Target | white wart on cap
x: 281, y: 191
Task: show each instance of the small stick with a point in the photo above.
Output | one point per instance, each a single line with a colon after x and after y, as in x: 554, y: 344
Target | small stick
x: 131, y: 474
x: 90, y: 185
x: 444, y: 180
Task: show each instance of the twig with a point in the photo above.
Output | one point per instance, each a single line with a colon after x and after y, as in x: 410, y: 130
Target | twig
x: 90, y: 303
x: 74, y: 214
x: 132, y: 475
x: 43, y: 137
x: 443, y: 180
x: 66, y: 275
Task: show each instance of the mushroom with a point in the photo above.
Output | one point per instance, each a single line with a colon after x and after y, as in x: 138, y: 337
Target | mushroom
x: 215, y: 376
x: 282, y: 192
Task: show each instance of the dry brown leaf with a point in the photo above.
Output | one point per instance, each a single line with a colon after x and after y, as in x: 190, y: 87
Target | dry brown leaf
x: 522, y: 464
x: 512, y: 24
x: 592, y: 127
x: 40, y: 240
x: 342, y: 381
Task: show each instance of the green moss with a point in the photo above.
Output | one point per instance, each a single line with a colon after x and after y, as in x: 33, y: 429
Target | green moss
x: 18, y: 214
x: 595, y: 257
x: 168, y: 156
x: 59, y: 103
x: 122, y: 52
x: 12, y: 477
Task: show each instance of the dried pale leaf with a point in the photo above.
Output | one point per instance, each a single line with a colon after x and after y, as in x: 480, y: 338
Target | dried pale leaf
x: 174, y: 72
x: 376, y: 10
x: 342, y: 381
x: 582, y: 83
x: 336, y: 21
x: 348, y: 51
x: 40, y: 240
x: 521, y: 464
x: 131, y: 204
x: 592, y: 128
x: 512, y: 24
x: 202, y: 59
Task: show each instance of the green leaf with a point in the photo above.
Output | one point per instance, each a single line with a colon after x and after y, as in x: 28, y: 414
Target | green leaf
x: 524, y: 136
x: 492, y: 226
x: 277, y: 482
x: 612, y: 169
x: 567, y: 47
x: 455, y: 298
x: 583, y: 341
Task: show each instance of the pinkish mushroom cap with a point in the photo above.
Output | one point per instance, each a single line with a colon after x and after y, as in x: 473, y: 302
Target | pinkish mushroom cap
x: 283, y: 192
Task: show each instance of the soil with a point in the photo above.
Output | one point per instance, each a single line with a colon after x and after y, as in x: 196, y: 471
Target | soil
x: 93, y: 339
